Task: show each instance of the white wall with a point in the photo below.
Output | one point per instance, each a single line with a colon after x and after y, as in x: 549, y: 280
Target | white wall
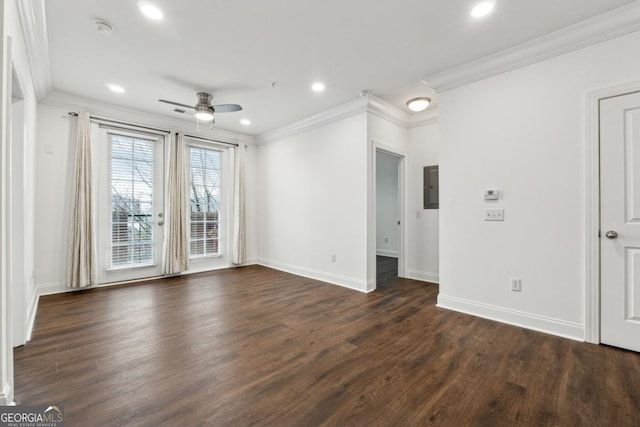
x: 21, y: 286
x: 387, y: 205
x: 54, y: 179
x: 423, y: 223
x: 523, y: 133
x: 313, y: 202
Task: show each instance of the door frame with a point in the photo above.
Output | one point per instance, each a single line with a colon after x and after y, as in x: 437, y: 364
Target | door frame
x: 107, y: 276
x: 592, y: 200
x: 403, y: 243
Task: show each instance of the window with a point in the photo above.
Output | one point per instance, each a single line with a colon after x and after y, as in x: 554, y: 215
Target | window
x: 205, y: 193
x: 131, y: 177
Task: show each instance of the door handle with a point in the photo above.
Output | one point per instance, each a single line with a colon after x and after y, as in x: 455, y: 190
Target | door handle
x: 611, y: 234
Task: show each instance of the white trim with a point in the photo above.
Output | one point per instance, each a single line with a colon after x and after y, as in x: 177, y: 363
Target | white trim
x: 387, y: 253
x: 341, y: 112
x: 31, y: 314
x: 53, y: 288
x: 250, y: 261
x: 424, y: 276
x: 71, y: 102
x: 34, y: 28
x: 5, y: 400
x: 323, y: 276
x: 427, y: 117
x: 388, y: 112
x: 609, y: 25
x: 535, y: 322
x: 592, y: 201
x: 363, y: 104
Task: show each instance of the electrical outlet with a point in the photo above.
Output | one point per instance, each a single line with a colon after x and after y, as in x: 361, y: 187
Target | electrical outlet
x: 516, y: 284
x: 333, y: 258
x: 494, y: 214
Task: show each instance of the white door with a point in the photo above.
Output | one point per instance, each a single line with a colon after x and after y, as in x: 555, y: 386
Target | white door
x: 130, y: 205
x: 620, y: 221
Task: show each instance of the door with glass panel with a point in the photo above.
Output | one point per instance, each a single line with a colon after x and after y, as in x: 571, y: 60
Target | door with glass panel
x: 130, y: 205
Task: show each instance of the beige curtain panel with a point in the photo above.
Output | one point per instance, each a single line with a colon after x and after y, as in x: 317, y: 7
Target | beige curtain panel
x: 239, y: 239
x: 81, y: 270
x: 176, y: 221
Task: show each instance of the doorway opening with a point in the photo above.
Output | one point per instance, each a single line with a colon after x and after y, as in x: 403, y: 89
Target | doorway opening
x: 388, y: 214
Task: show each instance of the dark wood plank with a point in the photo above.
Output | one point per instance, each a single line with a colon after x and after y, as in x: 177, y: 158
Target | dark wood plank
x: 254, y: 346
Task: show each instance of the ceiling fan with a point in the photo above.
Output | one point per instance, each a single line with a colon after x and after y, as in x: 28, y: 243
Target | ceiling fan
x: 203, y: 109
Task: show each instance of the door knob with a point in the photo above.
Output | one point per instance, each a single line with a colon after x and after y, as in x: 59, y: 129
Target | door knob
x: 160, y: 222
x: 611, y: 234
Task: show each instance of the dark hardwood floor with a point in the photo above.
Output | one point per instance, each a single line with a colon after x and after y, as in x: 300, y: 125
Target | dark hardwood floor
x: 254, y: 346
x: 386, y: 271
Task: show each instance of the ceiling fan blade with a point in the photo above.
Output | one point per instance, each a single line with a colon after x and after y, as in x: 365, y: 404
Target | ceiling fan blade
x: 177, y: 103
x: 227, y: 108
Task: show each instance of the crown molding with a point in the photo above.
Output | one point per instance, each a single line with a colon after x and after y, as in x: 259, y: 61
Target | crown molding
x: 72, y: 102
x: 34, y: 28
x: 343, y: 111
x: 427, y: 117
x: 386, y: 111
x: 364, y: 104
x: 609, y: 25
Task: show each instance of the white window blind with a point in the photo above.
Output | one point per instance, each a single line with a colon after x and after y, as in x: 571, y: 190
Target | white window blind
x: 205, y: 166
x: 131, y: 175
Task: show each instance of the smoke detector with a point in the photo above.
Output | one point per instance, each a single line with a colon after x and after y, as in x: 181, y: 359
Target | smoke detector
x: 103, y: 27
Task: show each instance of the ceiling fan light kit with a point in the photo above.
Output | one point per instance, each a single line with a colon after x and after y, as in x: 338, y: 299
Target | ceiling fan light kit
x: 204, y: 111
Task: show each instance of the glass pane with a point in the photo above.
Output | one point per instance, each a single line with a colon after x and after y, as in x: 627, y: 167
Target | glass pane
x: 132, y: 210
x: 205, y: 200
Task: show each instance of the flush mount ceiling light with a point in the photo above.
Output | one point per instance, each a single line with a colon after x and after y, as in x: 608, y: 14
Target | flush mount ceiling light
x: 115, y: 88
x: 245, y: 122
x: 483, y: 9
x: 418, y: 104
x: 317, y: 87
x: 150, y: 10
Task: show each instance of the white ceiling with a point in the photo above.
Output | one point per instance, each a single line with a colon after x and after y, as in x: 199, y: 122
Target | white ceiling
x: 236, y: 49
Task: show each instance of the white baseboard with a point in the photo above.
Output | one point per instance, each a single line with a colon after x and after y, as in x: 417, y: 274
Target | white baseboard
x: 424, y: 276
x: 251, y: 261
x: 6, y: 396
x: 31, y: 315
x: 334, y: 279
x: 386, y: 252
x: 544, y: 324
x: 51, y: 288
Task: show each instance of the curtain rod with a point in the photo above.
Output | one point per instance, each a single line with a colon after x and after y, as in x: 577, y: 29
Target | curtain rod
x: 121, y: 122
x: 210, y: 140
x: 104, y: 119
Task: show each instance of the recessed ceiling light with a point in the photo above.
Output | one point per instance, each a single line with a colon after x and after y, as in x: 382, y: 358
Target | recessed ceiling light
x: 115, y: 88
x: 317, y: 87
x: 482, y: 9
x: 150, y: 10
x: 418, y: 104
x: 245, y: 122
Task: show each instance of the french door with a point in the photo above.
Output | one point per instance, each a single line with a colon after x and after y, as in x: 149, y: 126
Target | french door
x: 130, y: 205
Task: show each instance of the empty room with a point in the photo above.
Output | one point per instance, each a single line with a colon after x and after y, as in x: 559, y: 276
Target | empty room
x: 320, y: 213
